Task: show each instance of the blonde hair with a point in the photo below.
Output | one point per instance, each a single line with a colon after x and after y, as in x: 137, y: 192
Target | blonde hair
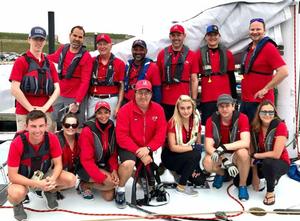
x: 176, y: 118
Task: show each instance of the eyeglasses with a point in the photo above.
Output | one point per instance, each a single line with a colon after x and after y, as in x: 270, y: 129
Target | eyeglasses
x: 265, y: 113
x: 66, y: 125
x: 144, y: 92
x: 257, y: 19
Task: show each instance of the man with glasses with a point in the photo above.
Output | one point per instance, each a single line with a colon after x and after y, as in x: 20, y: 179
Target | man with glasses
x: 227, y: 140
x: 261, y: 60
x: 216, y: 65
x: 74, y: 66
x: 34, y: 80
x: 141, y: 129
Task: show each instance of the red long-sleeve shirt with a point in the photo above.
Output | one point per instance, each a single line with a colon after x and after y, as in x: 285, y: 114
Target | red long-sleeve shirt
x: 87, y: 152
x: 136, y: 129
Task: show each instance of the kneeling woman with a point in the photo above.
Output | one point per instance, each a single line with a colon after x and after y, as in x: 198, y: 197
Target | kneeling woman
x: 98, y: 155
x: 68, y: 138
x: 271, y: 160
x: 184, y: 145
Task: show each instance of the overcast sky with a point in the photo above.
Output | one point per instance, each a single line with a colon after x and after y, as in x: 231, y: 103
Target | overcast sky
x: 113, y: 16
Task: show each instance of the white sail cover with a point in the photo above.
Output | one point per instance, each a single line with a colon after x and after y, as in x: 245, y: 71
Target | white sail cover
x: 232, y: 18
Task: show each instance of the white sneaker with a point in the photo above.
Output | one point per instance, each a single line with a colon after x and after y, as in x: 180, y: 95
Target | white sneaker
x: 187, y: 190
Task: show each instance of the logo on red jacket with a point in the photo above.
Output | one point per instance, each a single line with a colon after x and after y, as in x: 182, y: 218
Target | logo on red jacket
x: 154, y: 118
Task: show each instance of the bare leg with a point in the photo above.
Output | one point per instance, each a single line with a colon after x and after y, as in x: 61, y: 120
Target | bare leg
x: 125, y: 171
x: 242, y: 160
x: 16, y: 193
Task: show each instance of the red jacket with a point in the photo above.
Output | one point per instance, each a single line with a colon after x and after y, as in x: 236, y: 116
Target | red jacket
x: 136, y: 129
x: 87, y: 153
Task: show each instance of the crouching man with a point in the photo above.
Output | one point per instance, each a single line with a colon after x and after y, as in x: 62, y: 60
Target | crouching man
x: 30, y: 161
x: 227, y: 139
x: 141, y: 129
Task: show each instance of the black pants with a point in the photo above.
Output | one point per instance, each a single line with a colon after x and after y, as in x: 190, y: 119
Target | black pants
x: 207, y: 109
x: 272, y: 169
x: 183, y: 163
x: 169, y: 110
x: 249, y: 108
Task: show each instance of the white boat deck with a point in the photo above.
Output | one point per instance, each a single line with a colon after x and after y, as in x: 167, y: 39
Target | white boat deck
x: 204, y: 205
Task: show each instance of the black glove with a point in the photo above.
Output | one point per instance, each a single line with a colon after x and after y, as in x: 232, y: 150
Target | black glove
x: 197, y: 147
x: 218, y: 152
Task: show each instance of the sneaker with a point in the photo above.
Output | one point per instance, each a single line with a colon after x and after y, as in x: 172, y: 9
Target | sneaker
x: 218, y: 181
x: 38, y: 193
x: 26, y: 200
x: 243, y: 193
x: 85, y: 191
x: 19, y: 212
x: 120, y: 200
x: 51, y: 199
x: 186, y: 190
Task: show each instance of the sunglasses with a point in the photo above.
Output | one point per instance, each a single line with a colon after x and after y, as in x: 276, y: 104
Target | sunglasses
x: 66, y: 125
x: 257, y: 19
x: 265, y: 113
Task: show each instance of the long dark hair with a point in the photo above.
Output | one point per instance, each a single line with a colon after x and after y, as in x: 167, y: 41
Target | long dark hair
x: 256, y: 123
x: 69, y: 115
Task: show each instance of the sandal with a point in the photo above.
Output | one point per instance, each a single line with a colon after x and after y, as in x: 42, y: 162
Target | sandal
x: 269, y: 199
x: 85, y: 191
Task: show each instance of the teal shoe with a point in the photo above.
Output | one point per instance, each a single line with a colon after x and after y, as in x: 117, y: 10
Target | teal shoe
x: 243, y: 193
x: 218, y: 181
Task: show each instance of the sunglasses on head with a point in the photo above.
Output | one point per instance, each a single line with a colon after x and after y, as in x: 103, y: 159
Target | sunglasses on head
x: 257, y: 19
x: 270, y: 113
x: 66, y: 125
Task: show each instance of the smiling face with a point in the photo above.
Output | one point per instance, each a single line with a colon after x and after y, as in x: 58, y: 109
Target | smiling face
x: 36, y: 129
x: 104, y: 48
x: 177, y: 40
x: 76, y: 38
x: 266, y: 114
x: 70, y: 126
x: 256, y: 31
x: 212, y: 39
x: 138, y: 53
x: 103, y: 115
x: 185, y: 109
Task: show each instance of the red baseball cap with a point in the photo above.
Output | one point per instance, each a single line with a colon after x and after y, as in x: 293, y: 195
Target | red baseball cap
x: 177, y: 28
x: 103, y: 37
x: 102, y: 104
x: 143, y: 84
